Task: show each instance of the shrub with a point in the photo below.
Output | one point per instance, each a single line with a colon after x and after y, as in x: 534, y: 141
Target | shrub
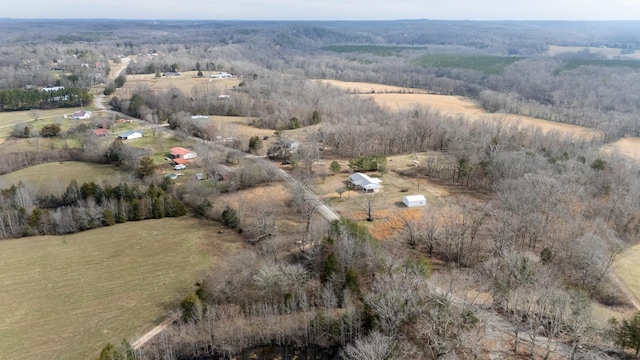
x: 50, y: 130
x: 230, y: 217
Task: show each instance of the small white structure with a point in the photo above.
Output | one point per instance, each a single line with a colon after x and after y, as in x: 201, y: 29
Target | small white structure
x: 364, y: 182
x: 132, y: 134
x: 224, y: 97
x: 414, y: 200
x: 81, y: 115
x: 222, y: 75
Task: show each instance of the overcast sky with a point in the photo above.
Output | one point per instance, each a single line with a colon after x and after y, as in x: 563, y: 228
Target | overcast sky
x: 326, y: 9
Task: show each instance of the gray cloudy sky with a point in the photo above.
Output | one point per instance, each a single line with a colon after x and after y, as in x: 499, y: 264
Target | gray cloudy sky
x: 326, y: 9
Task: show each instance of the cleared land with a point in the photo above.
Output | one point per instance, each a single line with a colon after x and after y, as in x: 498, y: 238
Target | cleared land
x: 53, y: 178
x: 65, y: 297
x: 186, y: 81
x: 10, y: 118
x: 398, y: 98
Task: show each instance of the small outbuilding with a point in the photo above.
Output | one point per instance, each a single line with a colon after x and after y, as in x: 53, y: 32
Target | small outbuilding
x: 414, y: 200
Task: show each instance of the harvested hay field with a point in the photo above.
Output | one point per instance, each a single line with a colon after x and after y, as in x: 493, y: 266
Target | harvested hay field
x: 629, y: 146
x: 186, y: 82
x: 398, y: 98
x: 53, y: 178
x: 370, y: 88
x: 65, y: 297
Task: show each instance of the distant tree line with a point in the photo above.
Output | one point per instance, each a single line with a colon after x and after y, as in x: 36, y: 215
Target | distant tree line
x: 20, y: 99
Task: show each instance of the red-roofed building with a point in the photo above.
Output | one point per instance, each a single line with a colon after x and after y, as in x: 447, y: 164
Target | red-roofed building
x: 101, y: 132
x: 180, y: 152
x: 180, y: 161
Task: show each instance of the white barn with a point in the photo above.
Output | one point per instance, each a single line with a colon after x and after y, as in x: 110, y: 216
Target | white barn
x: 364, y: 182
x: 132, y: 134
x: 414, y: 200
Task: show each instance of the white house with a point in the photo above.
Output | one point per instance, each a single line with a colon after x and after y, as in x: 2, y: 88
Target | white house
x: 81, y: 115
x: 414, y: 200
x: 364, y: 182
x: 131, y: 134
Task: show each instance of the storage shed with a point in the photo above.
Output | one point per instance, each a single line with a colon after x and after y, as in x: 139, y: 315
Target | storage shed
x: 414, y: 200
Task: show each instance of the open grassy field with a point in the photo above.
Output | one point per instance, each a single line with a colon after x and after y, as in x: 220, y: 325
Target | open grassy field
x: 53, y: 178
x: 627, y: 270
x: 9, y: 118
x: 186, y: 81
x: 456, y: 106
x: 65, y: 297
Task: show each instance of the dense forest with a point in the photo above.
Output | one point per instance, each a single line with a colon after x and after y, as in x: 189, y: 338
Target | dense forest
x: 556, y: 210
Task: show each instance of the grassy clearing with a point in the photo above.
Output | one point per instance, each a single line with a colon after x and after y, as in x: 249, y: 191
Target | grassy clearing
x: 387, y: 204
x: 55, y: 177
x: 628, y: 271
x: 482, y: 63
x: 9, y: 118
x: 65, y: 297
x: 185, y: 82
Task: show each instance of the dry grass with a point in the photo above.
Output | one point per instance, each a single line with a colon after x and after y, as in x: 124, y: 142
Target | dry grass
x: 55, y: 177
x: 388, y: 208
x: 10, y: 118
x: 629, y: 146
x: 628, y: 271
x: 186, y: 81
x: 457, y: 106
x: 65, y: 297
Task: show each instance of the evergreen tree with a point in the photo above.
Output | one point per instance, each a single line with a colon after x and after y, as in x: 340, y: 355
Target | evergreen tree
x: 230, y: 217
x: 255, y: 144
x: 628, y: 333
x: 334, y: 167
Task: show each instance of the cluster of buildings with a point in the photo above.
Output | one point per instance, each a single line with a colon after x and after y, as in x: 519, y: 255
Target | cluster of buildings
x: 364, y: 182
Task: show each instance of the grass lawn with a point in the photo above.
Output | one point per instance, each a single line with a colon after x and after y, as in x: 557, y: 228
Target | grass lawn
x: 8, y: 118
x: 65, y: 297
x: 55, y: 177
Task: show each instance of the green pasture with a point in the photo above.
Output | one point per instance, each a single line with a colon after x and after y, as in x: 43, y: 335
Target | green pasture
x: 53, y: 178
x: 66, y: 297
x: 483, y: 63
